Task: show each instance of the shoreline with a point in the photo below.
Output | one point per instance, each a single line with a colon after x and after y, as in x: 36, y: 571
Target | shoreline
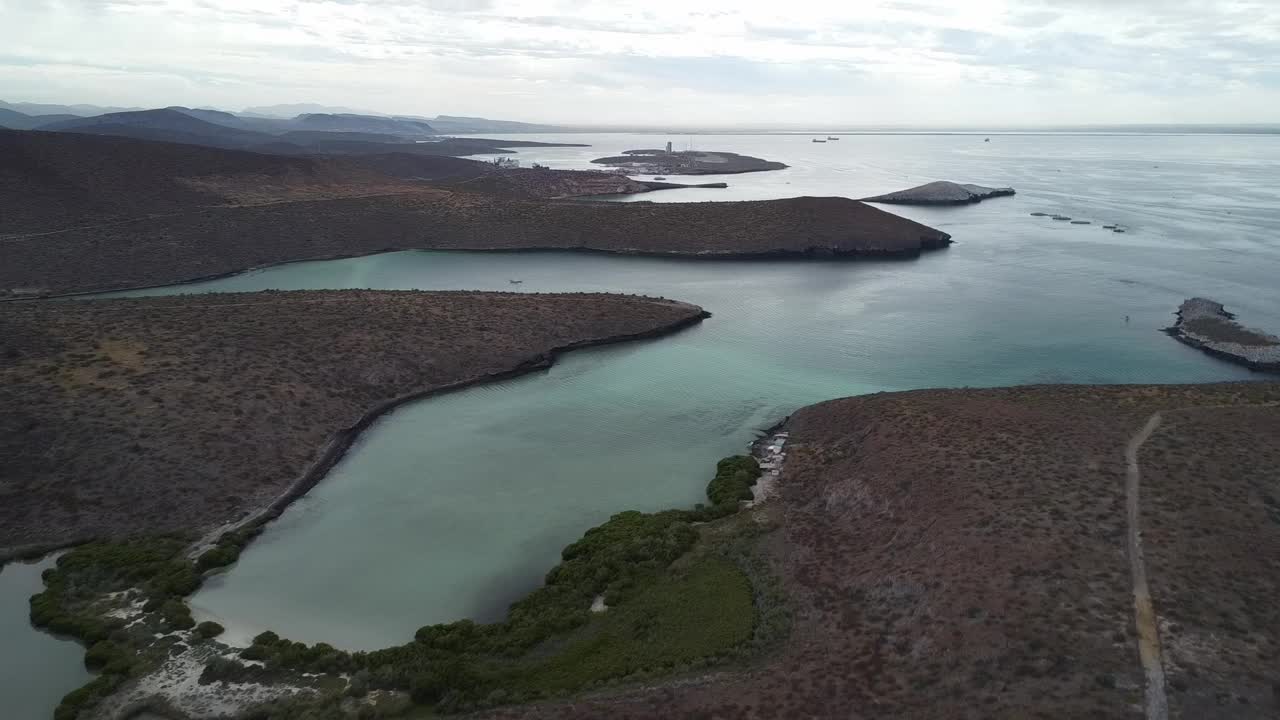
x: 327, y: 454
x: 811, y: 254
x: 341, y: 441
x: 328, y: 443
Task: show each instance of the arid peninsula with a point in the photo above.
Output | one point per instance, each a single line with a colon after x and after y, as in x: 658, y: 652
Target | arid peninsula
x: 93, y: 213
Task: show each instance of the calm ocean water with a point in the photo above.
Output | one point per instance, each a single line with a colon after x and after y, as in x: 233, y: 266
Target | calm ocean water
x: 454, y: 506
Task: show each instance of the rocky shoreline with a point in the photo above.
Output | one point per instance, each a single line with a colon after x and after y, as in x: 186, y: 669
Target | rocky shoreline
x: 1206, y: 325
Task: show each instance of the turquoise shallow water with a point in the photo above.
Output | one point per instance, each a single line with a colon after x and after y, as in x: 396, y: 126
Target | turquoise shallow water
x: 454, y: 506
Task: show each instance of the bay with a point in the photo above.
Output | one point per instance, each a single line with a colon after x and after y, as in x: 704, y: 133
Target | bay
x: 454, y: 506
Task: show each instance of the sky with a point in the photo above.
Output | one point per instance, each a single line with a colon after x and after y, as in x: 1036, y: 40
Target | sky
x: 663, y: 62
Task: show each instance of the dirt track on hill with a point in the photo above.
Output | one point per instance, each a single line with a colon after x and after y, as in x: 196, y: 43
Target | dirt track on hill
x: 1157, y: 702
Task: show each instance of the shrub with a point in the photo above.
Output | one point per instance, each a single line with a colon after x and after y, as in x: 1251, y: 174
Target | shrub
x: 266, y: 638
x: 108, y: 657
x: 209, y: 629
x: 254, y: 652
x: 177, y: 615
x: 441, y: 678
x: 220, y: 556
x: 86, y: 696
x: 734, y: 477
x: 358, y: 685
x: 224, y: 669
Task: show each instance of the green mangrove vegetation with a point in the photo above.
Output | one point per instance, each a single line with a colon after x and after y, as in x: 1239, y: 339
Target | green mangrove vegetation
x: 91, y: 580
x: 640, y: 596
x: 734, y: 479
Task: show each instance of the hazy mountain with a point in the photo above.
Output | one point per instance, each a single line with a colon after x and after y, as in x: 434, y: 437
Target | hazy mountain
x: 15, y: 120
x: 307, y: 136
x: 76, y: 110
x: 218, y: 117
x: 364, y: 124
x: 167, y: 124
x: 228, y: 119
x: 290, y: 111
x: 459, y: 124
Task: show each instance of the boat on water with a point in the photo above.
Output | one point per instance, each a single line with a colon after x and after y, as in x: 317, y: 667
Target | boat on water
x: 659, y: 178
x: 817, y: 140
x: 829, y: 137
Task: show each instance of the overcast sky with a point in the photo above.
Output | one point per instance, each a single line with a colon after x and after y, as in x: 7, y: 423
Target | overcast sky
x: 662, y: 62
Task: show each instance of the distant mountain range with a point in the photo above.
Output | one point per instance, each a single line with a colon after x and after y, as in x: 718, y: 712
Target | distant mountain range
x: 309, y: 133
x: 168, y: 124
x: 15, y: 120
x: 293, y: 110
x: 47, y: 109
x: 449, y: 124
x: 274, y: 120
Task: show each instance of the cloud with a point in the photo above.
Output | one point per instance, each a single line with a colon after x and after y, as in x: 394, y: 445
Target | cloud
x: 661, y: 61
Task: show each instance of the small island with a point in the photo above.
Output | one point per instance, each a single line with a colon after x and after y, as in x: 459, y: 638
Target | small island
x: 687, y: 162
x: 941, y: 192
x: 1205, y: 324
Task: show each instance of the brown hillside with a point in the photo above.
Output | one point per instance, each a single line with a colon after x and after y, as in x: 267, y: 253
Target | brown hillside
x: 51, y: 181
